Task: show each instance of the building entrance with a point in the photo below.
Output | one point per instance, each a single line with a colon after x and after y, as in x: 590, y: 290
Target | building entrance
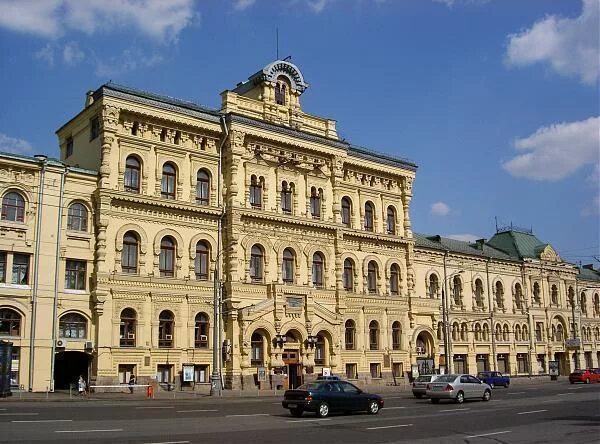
x: 68, y: 367
x: 294, y: 370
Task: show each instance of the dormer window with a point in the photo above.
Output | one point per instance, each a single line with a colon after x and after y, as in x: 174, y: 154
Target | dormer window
x: 280, y: 90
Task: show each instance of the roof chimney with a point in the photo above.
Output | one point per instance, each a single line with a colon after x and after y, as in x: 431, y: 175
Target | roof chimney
x: 480, y: 243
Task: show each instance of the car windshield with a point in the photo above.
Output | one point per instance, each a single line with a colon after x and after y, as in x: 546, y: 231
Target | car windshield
x: 423, y: 378
x: 311, y: 386
x: 579, y: 372
x: 446, y: 378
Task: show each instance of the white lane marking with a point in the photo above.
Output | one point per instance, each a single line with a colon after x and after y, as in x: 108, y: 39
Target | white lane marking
x: 156, y: 407
x: 454, y: 410
x: 169, y: 442
x: 516, y: 393
x: 389, y: 427
x: 551, y: 401
x: 309, y: 420
x: 532, y: 411
x: 42, y: 420
x: 488, y: 434
x: 396, y: 397
x: 19, y: 414
x: 276, y: 403
x: 575, y: 388
x: 563, y: 394
x: 255, y: 414
x: 198, y: 410
x: 88, y: 431
x: 394, y: 408
x: 3, y: 409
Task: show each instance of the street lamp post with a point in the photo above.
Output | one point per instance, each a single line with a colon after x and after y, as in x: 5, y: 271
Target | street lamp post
x: 445, y: 315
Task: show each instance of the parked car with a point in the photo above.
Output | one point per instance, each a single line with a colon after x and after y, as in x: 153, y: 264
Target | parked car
x: 585, y: 375
x: 458, y: 388
x: 494, y: 379
x: 419, y: 385
x: 324, y: 397
x: 328, y: 378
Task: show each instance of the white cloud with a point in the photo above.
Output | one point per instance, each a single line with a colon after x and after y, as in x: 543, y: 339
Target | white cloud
x: 158, y: 19
x: 451, y: 3
x: 317, y: 6
x: 46, y: 54
x: 72, y: 54
x: 464, y: 237
x: 15, y: 146
x: 240, y: 5
x: 440, y: 209
x: 556, y: 151
x: 128, y: 60
x: 570, y: 45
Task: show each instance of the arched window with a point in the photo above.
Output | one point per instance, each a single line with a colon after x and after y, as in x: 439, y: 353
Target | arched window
x: 166, y: 329
x: 394, y: 279
x: 167, y: 185
x: 257, y: 350
x: 517, y: 332
x: 72, y: 325
x: 129, y: 254
x: 317, y: 269
x: 10, y: 322
x: 201, y: 262
x: 288, y: 266
x: 372, y: 277
x: 127, y: 328
x: 391, y: 220
x: 255, y: 192
x: 554, y: 295
x: 464, y: 332
x: 486, y: 332
x: 280, y: 90
x: 202, y: 187
x: 348, y: 275
x: 350, y: 335
x: 256, y: 264
x: 440, y: 330
x: 525, y: 333
x: 455, y: 331
x: 479, y: 293
x: 315, y: 203
x: 201, y: 331
x: 369, y: 221
x: 499, y: 295
x: 597, y: 333
x: 346, y: 210
x: 518, y: 296
x: 133, y: 170
x: 596, y: 304
x: 583, y: 303
x: 373, y: 335
x: 537, y: 293
x: 477, y: 332
x: 396, y: 335
x: 77, y: 219
x: 560, y: 333
x: 457, y: 291
x: 286, y: 198
x: 13, y: 207
x: 320, y: 351
x: 505, y: 333
x: 167, y: 256
x: 498, y: 332
x: 433, y: 286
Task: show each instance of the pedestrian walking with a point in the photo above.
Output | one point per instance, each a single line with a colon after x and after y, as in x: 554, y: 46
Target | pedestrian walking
x: 131, y: 383
x: 81, y: 386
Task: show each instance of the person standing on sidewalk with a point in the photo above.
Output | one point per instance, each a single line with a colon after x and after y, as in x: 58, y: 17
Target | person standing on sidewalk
x: 131, y: 383
x: 81, y: 386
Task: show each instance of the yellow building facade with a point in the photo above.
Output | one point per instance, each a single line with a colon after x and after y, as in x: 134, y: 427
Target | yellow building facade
x: 160, y: 207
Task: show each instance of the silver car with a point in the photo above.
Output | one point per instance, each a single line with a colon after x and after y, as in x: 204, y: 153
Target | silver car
x: 419, y: 385
x: 458, y: 388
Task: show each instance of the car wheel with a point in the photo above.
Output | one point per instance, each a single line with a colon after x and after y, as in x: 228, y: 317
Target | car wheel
x: 323, y: 410
x: 373, y: 407
x: 435, y: 401
x: 418, y: 396
x: 296, y: 412
x: 487, y: 395
x: 491, y: 384
x: 587, y: 380
x: 460, y: 397
x: 506, y: 385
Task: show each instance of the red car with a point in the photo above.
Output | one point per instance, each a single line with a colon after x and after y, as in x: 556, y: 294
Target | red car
x: 586, y: 376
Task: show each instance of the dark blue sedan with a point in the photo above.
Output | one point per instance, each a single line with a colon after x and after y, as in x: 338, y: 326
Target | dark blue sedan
x: 324, y: 397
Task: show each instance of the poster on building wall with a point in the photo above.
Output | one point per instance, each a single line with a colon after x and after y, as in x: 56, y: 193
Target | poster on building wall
x: 188, y: 373
x: 262, y: 374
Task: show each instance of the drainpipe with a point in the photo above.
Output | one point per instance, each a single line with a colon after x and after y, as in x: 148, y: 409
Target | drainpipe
x: 529, y: 318
x: 56, y: 272
x: 36, y: 260
x: 445, y: 320
x: 491, y: 307
x: 216, y: 386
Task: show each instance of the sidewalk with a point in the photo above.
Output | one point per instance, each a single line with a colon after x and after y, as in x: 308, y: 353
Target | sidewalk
x: 403, y: 387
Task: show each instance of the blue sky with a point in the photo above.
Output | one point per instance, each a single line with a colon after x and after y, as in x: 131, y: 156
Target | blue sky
x: 497, y: 101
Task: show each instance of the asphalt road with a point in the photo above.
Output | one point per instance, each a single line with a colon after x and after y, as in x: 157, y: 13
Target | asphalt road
x: 534, y: 413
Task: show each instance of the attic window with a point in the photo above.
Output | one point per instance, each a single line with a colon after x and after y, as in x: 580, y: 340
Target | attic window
x: 69, y: 147
x: 280, y: 90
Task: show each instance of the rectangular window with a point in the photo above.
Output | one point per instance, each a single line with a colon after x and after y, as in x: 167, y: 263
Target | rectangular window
x: 164, y: 373
x: 14, y: 367
x: 94, y: 128
x: 522, y: 363
x: 69, y: 147
x: 351, y: 372
x: 398, y: 370
x: 375, y: 369
x: 255, y: 196
x: 539, y: 328
x: 75, y: 275
x: 2, y: 266
x: 20, y: 269
x: 125, y: 373
x: 201, y: 373
x: 286, y: 201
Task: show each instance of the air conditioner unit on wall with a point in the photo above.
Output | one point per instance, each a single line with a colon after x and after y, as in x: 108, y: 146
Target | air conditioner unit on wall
x: 130, y: 335
x: 61, y: 343
x: 168, y: 337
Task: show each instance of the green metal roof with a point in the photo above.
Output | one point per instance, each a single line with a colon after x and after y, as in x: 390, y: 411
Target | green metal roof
x: 588, y: 274
x: 481, y: 249
x: 518, y: 244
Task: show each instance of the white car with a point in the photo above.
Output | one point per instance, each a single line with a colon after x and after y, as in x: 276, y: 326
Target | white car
x: 458, y: 388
